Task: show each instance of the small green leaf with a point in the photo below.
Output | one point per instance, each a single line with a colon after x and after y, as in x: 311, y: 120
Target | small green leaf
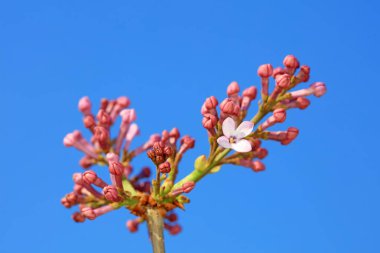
x: 215, y: 169
x: 200, y: 163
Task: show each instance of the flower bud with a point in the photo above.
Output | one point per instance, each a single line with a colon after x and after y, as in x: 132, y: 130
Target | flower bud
x: 168, y: 151
x: 304, y: 74
x: 78, y: 217
x: 211, y: 102
x: 233, y: 89
x: 112, y: 157
x: 265, y: 70
x: 89, y: 121
x: 172, y: 217
x: 116, y: 168
x: 164, y: 167
x: 249, y: 94
x: 132, y: 225
x: 291, y: 62
x: 302, y: 103
x: 209, y: 121
x: 84, y: 105
x: 174, y: 133
x: 111, y: 194
x: 319, y: 89
x: 258, y: 166
x: 188, y: 141
x: 173, y: 229
x: 278, y: 71
x: 283, y: 81
x: 89, y: 177
x: 86, y: 162
x: 123, y: 102
x: 103, y: 118
x: 279, y: 115
x: 261, y: 153
x: 229, y: 107
x: 88, y: 212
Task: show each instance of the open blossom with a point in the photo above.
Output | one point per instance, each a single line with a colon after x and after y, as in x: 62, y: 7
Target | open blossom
x: 233, y: 137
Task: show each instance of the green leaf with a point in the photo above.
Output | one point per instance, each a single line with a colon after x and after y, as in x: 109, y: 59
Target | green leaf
x: 215, y: 169
x: 200, y: 163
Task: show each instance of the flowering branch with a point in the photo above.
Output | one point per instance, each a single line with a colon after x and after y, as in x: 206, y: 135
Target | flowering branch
x: 232, y: 140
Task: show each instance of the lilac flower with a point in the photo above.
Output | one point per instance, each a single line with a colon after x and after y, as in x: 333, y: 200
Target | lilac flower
x: 233, y: 137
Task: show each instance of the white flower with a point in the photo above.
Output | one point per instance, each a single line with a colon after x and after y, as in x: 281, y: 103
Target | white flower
x: 233, y: 137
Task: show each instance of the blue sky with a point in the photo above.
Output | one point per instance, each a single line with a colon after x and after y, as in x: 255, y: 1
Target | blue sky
x: 319, y: 194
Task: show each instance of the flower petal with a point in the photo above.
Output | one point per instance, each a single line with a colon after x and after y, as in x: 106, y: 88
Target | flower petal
x: 228, y: 127
x: 242, y: 146
x: 224, y: 142
x: 244, y: 129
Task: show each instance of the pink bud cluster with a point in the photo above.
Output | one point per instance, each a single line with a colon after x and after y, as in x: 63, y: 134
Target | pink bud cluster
x: 227, y: 130
x: 275, y: 103
x: 94, y: 195
x: 234, y: 106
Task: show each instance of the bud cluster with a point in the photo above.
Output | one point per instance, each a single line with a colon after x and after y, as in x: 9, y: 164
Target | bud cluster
x: 227, y: 130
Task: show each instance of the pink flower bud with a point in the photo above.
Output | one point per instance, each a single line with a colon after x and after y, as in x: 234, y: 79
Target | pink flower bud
x: 78, y: 217
x: 261, y: 153
x: 228, y: 107
x: 302, y: 103
x: 89, y: 177
x: 173, y: 229
x: 77, y: 178
x: 319, y: 89
x: 112, y: 157
x: 278, y: 71
x: 174, y: 133
x: 103, y: 118
x: 89, y: 121
x: 86, y: 162
x: 283, y: 81
x: 132, y: 225
x: 233, y: 89
x: 291, y: 62
x: 111, y: 194
x: 116, y: 168
x: 188, y: 187
x: 265, y: 70
x: 172, y: 217
x: 304, y: 74
x: 249, y: 94
x: 209, y: 121
x: 102, y: 136
x: 164, y: 167
x: 291, y: 134
x: 128, y: 115
x: 211, y: 103
x: 84, y: 105
x: 88, y: 212
x: 65, y: 202
x: 258, y: 166
x: 186, y: 143
x: 104, y: 103
x: 123, y: 101
x: 69, y: 140
x: 279, y: 115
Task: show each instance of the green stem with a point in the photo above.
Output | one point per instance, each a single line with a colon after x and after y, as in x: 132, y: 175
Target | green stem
x: 156, y: 230
x: 196, y: 175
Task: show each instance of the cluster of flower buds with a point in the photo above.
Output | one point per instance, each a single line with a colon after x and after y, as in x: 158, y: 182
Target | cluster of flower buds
x: 227, y: 127
x: 227, y: 130
x: 96, y: 196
